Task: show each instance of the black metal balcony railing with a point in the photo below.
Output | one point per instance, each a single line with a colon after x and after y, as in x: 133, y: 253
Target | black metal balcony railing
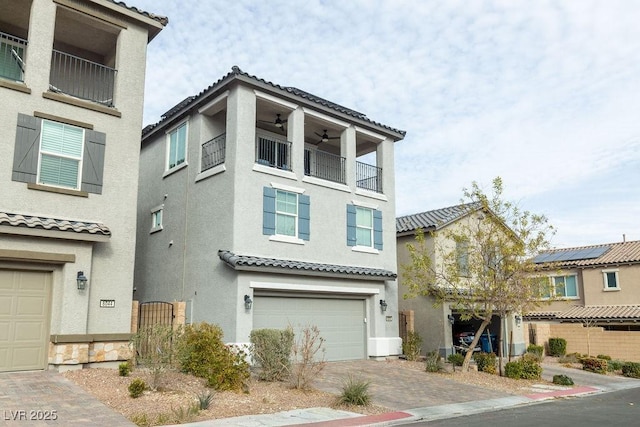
x: 324, y: 165
x: 12, y: 54
x: 369, y: 177
x: 273, y: 152
x: 81, y: 78
x: 213, y: 152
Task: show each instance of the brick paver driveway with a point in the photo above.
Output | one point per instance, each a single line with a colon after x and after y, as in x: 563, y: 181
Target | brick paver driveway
x: 399, y: 388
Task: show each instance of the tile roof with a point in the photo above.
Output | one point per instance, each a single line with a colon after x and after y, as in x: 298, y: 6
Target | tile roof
x: 248, y: 262
x: 237, y: 73
x: 434, y: 219
x: 44, y: 223
x: 161, y: 19
x: 619, y: 253
x: 590, y: 312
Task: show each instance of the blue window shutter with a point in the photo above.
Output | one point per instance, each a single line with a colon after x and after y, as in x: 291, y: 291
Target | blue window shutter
x: 377, y: 229
x: 27, y: 149
x: 303, y: 217
x: 269, y: 211
x: 351, y: 225
x: 93, y: 161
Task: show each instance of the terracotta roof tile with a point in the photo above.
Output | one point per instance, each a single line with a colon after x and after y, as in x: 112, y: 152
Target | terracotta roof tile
x: 618, y: 253
x: 613, y: 312
x: 433, y: 219
x: 161, y: 19
x: 28, y: 221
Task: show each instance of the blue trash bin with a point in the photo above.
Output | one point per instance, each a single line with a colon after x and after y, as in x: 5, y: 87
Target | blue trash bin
x: 484, y: 343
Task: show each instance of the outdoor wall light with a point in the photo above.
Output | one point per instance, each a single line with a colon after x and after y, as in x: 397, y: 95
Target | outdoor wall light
x: 452, y: 319
x: 81, y: 281
x: 518, y: 320
x: 248, y: 302
x: 383, y: 305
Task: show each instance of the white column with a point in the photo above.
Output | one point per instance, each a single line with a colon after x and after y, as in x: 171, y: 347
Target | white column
x: 295, y: 134
x: 348, y: 151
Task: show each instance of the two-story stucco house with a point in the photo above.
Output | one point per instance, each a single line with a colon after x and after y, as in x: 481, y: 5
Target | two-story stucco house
x: 257, y: 209
x: 594, y: 287
x: 441, y: 326
x: 71, y: 94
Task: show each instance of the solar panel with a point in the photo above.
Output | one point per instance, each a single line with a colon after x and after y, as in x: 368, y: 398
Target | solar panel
x: 571, y: 255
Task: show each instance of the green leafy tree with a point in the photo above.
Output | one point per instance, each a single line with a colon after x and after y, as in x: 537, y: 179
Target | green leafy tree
x: 482, y: 265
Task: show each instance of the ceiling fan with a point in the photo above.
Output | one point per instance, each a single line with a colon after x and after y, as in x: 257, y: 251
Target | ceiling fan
x: 278, y: 122
x: 325, y: 137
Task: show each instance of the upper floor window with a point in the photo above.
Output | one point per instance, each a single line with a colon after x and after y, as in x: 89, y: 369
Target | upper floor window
x: 61, y: 148
x: 462, y: 257
x: 156, y: 218
x: 611, y: 280
x: 565, y: 286
x: 285, y: 213
x: 177, y: 146
x: 364, y: 227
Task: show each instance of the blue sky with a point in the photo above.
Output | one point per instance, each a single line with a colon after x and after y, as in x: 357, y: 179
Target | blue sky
x: 545, y: 94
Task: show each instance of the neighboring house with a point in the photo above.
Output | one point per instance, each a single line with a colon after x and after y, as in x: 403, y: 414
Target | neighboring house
x: 257, y: 209
x: 71, y: 94
x: 441, y: 327
x: 596, y: 286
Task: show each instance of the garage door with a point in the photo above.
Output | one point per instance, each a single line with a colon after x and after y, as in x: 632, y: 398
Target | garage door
x: 340, y: 321
x: 24, y: 319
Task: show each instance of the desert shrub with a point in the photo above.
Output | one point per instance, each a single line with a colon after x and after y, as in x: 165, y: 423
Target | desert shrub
x: 412, y: 346
x: 513, y: 370
x: 570, y: 358
x: 486, y: 362
x: 124, y: 369
x: 603, y: 356
x: 557, y: 347
x: 562, y: 380
x: 593, y: 364
x: 184, y: 415
x: 433, y: 362
x: 527, y: 367
x: 204, y: 400
x: 308, y: 358
x: 155, y: 351
x: 536, y: 350
x: 631, y: 369
x: 201, y: 352
x: 355, y: 392
x: 456, y: 359
x: 271, y: 350
x: 614, y: 365
x: 137, y: 387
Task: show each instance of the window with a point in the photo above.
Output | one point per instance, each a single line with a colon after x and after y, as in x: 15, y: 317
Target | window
x: 286, y: 213
x: 364, y: 227
x: 565, y: 286
x: 462, y: 257
x: 11, y: 57
x: 61, y: 148
x: 58, y: 154
x: 611, y: 282
x: 156, y: 218
x: 177, y: 146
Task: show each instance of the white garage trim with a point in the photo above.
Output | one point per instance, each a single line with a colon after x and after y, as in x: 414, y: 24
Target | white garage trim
x: 314, y: 288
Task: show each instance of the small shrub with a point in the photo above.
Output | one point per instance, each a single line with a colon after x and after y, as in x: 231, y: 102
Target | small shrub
x: 631, y: 369
x: 486, y: 362
x: 155, y: 351
x: 137, y: 387
x: 433, y: 363
x: 513, y: 370
x: 204, y: 400
x: 355, y: 392
x: 124, y: 369
x: 141, y: 420
x: 201, y: 352
x: 412, y: 346
x: 536, y: 350
x: 603, y: 356
x: 531, y: 369
x: 456, y: 359
x: 614, y: 365
x: 557, y: 347
x: 593, y: 364
x: 184, y: 415
x: 570, y: 358
x: 562, y: 380
x: 271, y: 350
x: 308, y: 358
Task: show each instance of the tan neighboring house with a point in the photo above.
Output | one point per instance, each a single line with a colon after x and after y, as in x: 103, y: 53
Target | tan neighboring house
x: 441, y: 327
x: 598, y: 300
x: 71, y: 93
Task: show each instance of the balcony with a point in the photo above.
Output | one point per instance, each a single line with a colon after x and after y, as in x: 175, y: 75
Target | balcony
x: 12, y: 54
x: 368, y: 177
x: 213, y: 152
x: 324, y: 165
x: 81, y: 78
x: 273, y: 152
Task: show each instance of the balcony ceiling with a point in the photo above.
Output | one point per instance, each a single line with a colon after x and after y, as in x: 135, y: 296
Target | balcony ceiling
x: 84, y: 32
x: 14, y: 18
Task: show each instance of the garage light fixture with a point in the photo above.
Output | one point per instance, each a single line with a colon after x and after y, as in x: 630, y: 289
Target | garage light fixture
x: 383, y: 305
x: 247, y: 302
x: 518, y: 320
x: 81, y: 281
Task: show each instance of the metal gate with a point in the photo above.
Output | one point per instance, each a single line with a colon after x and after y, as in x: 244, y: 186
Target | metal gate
x: 150, y: 339
x: 155, y: 313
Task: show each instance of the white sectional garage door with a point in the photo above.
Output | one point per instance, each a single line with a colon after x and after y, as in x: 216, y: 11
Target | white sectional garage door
x: 24, y: 319
x: 340, y: 321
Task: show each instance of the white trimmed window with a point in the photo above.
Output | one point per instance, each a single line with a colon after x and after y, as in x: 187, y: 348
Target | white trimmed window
x: 60, y: 160
x: 611, y: 280
x: 177, y: 146
x: 286, y: 213
x: 156, y: 218
x: 364, y: 226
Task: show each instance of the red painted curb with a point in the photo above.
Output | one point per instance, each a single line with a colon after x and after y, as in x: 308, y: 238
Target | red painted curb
x: 560, y: 393
x: 361, y: 421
